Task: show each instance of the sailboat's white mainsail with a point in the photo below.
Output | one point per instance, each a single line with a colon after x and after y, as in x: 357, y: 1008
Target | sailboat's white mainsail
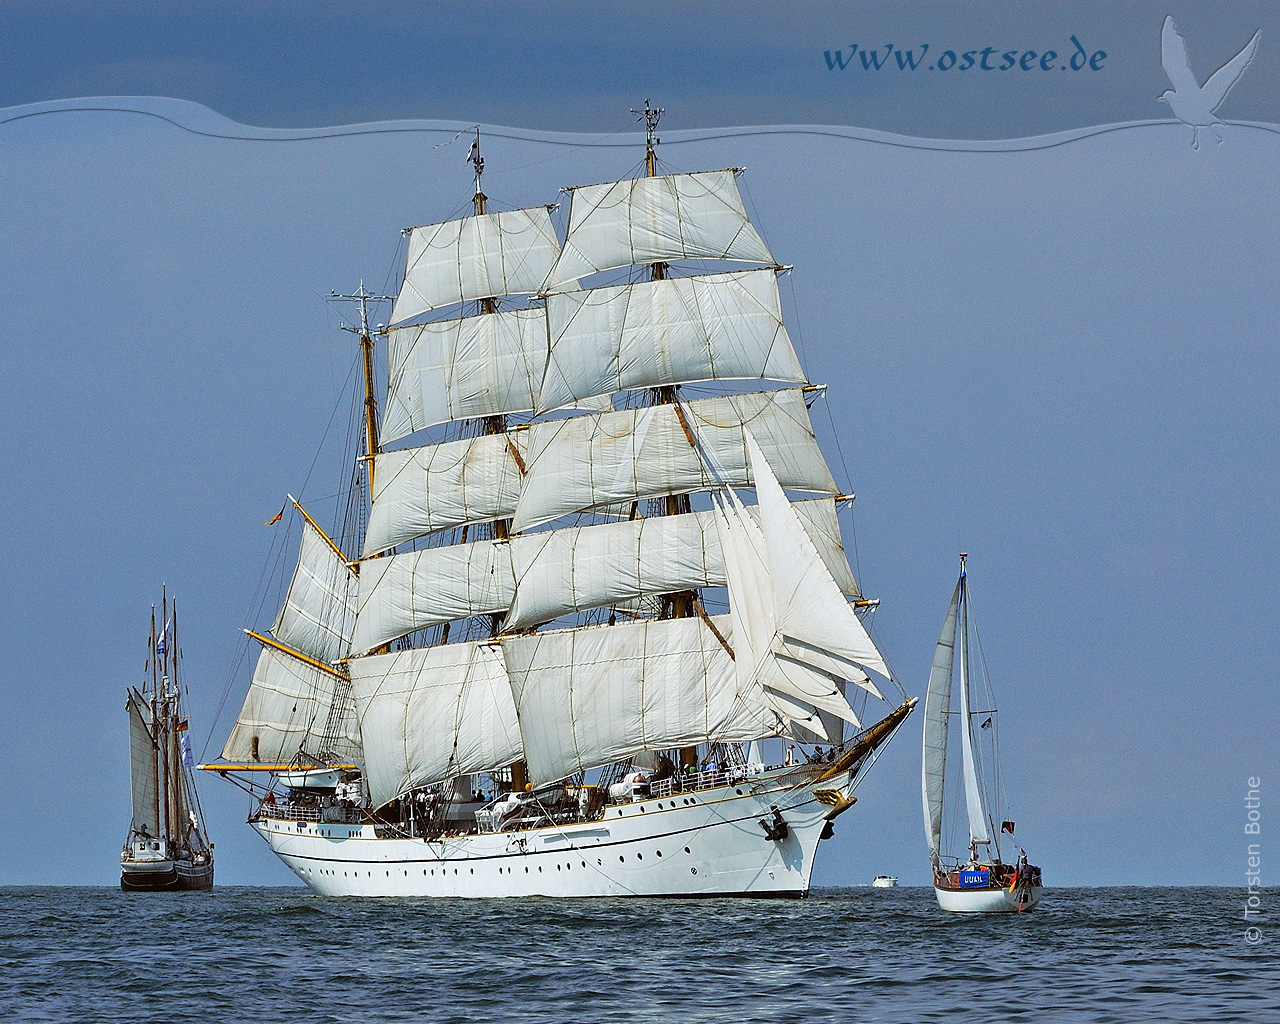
x: 494, y: 254
x: 142, y: 765
x: 433, y: 714
x: 672, y: 331
x: 592, y: 695
x: 540, y: 576
x: 653, y: 220
x: 937, y: 712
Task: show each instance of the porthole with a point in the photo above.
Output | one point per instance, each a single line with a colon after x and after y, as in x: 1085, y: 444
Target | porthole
x: 599, y: 861
x: 473, y: 871
x: 526, y: 870
x: 693, y: 871
x: 659, y: 853
x: 686, y: 849
x: 639, y: 856
x: 621, y: 859
x: 539, y: 869
x: 642, y: 808
x: 659, y: 805
x: 738, y: 791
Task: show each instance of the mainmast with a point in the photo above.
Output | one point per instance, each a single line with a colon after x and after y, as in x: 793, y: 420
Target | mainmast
x: 679, y: 605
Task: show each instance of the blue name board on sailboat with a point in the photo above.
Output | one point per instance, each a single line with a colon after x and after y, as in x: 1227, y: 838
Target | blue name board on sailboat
x: 975, y: 879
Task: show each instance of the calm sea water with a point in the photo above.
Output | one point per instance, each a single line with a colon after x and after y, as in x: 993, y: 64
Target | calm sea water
x: 242, y: 954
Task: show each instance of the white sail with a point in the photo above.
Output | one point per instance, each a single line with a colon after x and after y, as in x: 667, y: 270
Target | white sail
x: 319, y: 611
x: 432, y: 714
x: 814, y: 623
x: 507, y: 253
x: 798, y: 692
x: 978, y: 831
x: 651, y: 220
x: 142, y: 765
x: 292, y: 706
x: 572, y: 569
x: 484, y: 365
x: 674, y: 331
x: 420, y: 490
x: 589, y: 461
x: 589, y: 696
x: 937, y: 712
x: 401, y: 593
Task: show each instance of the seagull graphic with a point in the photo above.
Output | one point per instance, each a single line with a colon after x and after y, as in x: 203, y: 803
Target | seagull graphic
x: 1191, y: 102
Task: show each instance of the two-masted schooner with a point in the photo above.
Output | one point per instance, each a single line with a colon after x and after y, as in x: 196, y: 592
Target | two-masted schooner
x: 556, y: 652
x: 981, y: 882
x: 167, y: 848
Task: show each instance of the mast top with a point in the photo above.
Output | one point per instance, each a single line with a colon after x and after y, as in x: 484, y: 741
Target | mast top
x: 650, y: 116
x: 361, y: 297
x: 477, y: 161
x: 963, y: 556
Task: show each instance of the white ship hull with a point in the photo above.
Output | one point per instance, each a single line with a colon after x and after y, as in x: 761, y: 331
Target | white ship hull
x: 704, y: 843
x: 988, y: 901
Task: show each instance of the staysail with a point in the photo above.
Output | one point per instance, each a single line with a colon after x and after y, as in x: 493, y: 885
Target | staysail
x: 937, y: 711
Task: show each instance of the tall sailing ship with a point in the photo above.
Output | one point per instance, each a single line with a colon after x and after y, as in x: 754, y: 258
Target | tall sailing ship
x: 981, y: 882
x: 167, y: 848
x: 552, y: 658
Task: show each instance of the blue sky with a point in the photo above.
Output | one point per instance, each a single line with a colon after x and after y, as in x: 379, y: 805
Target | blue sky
x: 1061, y: 361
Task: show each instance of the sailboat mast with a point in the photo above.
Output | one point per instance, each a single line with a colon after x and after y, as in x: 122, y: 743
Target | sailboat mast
x: 155, y: 732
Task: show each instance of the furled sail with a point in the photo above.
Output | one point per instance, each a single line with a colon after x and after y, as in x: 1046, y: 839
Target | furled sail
x: 420, y: 490
x: 432, y: 714
x: 585, y: 462
x: 507, y: 253
x: 673, y: 331
x: 142, y: 765
x: 319, y: 611
x: 937, y: 711
x: 978, y: 832
x: 289, y: 709
x: 401, y: 593
x: 588, y: 696
x: 484, y: 365
x: 652, y: 220
x: 540, y: 576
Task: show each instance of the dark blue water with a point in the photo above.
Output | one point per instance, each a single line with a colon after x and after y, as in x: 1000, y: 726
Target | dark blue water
x: 240, y: 954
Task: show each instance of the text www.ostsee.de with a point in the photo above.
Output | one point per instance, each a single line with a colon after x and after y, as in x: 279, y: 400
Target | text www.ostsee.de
x: 990, y: 58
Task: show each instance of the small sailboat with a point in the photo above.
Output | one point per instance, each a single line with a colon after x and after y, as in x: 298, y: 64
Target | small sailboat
x: 167, y: 848
x: 982, y: 882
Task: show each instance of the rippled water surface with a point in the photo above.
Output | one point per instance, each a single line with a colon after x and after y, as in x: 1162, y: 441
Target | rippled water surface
x: 240, y: 954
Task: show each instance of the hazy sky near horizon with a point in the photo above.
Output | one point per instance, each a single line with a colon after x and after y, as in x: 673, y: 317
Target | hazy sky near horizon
x: 1062, y: 361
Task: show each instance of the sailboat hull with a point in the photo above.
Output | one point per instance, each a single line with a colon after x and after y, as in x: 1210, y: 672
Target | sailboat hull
x: 988, y: 901
x: 705, y: 843
x: 168, y: 876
